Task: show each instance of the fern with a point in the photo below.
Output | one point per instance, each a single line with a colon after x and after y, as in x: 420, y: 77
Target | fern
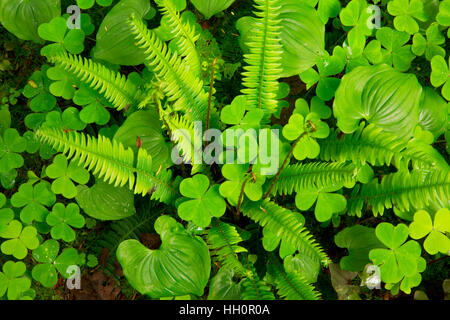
x: 299, y: 176
x: 287, y: 225
x: 115, y: 87
x: 180, y: 84
x: 291, y: 286
x: 377, y: 147
x: 185, y: 35
x: 403, y: 190
x: 255, y: 289
x: 111, y: 161
x: 223, y: 242
x: 185, y: 135
x: 263, y: 68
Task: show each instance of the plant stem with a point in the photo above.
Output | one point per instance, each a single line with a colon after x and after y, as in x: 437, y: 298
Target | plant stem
x: 211, y: 88
x: 241, y: 196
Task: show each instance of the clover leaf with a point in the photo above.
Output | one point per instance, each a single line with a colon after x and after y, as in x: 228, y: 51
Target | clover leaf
x: 13, y: 280
x: 401, y: 261
x: 62, y: 218
x: 20, y: 239
x: 440, y: 75
x: 395, y: 53
x: 38, y: 89
x: 47, y: 254
x: 64, y: 174
x: 327, y: 67
x: 436, y: 240
x: 56, y: 31
x: 235, y: 114
x: 11, y: 144
x: 305, y: 129
x: 63, y: 83
x: 328, y: 203
x: 431, y: 46
x: 206, y: 202
x: 236, y: 175
x: 34, y: 200
x: 406, y: 12
x: 69, y: 119
x: 6, y: 214
x: 356, y: 15
x: 443, y: 17
x: 94, y: 107
x: 87, y: 4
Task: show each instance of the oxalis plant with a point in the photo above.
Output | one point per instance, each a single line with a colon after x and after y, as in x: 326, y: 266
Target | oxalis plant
x: 212, y: 192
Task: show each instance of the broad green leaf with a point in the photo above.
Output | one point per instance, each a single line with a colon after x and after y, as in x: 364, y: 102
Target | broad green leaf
x: 181, y: 265
x: 380, y: 95
x: 433, y: 114
x: 211, y: 7
x: 223, y: 286
x: 23, y: 17
x: 103, y: 201
x: 115, y: 41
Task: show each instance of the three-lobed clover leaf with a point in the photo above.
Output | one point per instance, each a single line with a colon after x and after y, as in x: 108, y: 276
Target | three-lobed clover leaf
x: 94, y: 106
x: 328, y: 203
x: 11, y: 145
x: 234, y: 114
x: 406, y: 12
x: 50, y: 263
x: 63, y: 83
x: 64, y: 173
x: 56, y: 31
x: 443, y: 17
x: 440, y: 75
x: 431, y: 46
x: 13, y: 281
x: 62, y: 218
x: 356, y: 15
x: 401, y: 261
x: 434, y: 230
x: 68, y: 119
x: 34, y: 200
x: 390, y: 48
x: 87, y: 4
x: 236, y: 175
x: 202, y: 201
x: 37, y: 89
x: 305, y: 128
x: 19, y: 239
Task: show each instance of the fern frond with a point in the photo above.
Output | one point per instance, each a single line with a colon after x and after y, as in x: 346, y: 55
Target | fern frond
x: 377, y: 147
x: 290, y: 285
x: 405, y: 191
x: 180, y: 85
x: 223, y: 242
x: 253, y: 288
x: 187, y: 138
x: 287, y: 225
x: 185, y: 35
x: 297, y: 177
x: 111, y: 161
x: 263, y: 68
x: 115, y: 87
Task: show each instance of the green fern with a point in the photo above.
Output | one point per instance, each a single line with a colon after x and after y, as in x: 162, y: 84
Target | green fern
x: 223, y: 242
x: 111, y: 161
x: 253, y: 288
x: 404, y: 190
x: 180, y: 85
x: 287, y: 225
x: 185, y: 135
x: 263, y: 68
x: 115, y: 87
x: 290, y: 286
x: 297, y: 177
x: 185, y: 35
x: 377, y: 147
